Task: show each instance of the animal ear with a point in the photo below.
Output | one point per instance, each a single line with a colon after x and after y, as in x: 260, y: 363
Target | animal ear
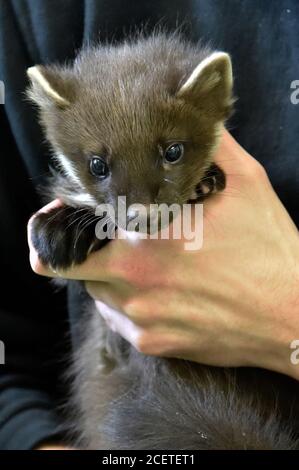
x: 49, y: 86
x: 210, y: 85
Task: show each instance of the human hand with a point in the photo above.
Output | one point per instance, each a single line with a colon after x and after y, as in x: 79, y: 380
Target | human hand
x: 232, y: 303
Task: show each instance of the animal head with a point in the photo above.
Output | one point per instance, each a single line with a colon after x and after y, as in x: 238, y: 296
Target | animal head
x: 139, y: 120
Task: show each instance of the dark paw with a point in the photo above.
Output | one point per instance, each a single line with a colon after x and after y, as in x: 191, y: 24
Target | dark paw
x: 64, y: 236
x: 212, y: 182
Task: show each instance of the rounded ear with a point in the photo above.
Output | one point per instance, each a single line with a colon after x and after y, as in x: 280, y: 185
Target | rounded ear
x: 210, y: 85
x: 49, y: 86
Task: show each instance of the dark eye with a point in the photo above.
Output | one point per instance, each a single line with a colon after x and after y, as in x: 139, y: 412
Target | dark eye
x: 98, y: 167
x: 174, y: 153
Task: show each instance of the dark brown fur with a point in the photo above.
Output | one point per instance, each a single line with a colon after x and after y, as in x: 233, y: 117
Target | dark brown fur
x: 124, y: 103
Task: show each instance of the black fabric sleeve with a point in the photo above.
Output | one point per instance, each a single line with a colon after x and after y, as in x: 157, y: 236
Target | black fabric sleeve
x: 33, y: 320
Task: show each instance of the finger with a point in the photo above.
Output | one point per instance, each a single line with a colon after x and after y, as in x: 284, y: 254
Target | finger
x: 95, y: 267
x: 115, y: 295
x: 110, y: 263
x: 135, y: 304
x: 230, y: 155
x: 163, y: 342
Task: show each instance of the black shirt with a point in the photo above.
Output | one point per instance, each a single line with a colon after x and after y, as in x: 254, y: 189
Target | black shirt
x: 36, y: 324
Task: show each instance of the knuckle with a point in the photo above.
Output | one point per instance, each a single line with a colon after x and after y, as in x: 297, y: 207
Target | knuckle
x: 143, y: 344
x: 152, y: 344
x: 132, y: 309
x: 137, y: 310
x: 256, y: 170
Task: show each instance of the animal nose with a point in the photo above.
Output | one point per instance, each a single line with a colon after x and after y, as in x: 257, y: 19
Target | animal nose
x: 143, y: 192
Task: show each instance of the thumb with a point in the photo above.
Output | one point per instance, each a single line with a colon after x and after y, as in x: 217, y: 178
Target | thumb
x: 231, y: 157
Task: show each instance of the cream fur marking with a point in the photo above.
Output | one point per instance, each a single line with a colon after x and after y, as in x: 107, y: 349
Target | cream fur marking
x: 68, y: 168
x: 85, y: 198
x: 215, y: 57
x: 35, y: 74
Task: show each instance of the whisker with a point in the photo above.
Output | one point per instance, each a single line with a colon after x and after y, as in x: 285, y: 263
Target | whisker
x: 168, y: 181
x: 76, y: 212
x: 86, y: 224
x: 81, y: 218
x: 54, y: 216
x: 82, y: 221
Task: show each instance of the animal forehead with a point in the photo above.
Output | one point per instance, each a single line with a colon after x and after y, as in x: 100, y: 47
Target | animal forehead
x: 118, y: 105
x: 134, y: 120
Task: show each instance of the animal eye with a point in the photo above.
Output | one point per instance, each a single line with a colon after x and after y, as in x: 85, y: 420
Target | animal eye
x: 98, y: 167
x: 174, y: 153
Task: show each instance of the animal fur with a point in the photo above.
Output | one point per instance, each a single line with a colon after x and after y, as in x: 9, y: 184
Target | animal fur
x: 126, y: 103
